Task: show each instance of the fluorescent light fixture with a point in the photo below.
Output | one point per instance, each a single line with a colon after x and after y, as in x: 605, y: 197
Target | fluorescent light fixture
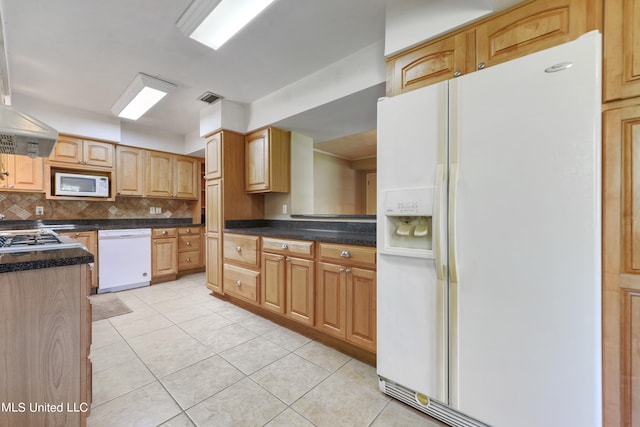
x: 142, y: 94
x: 212, y: 25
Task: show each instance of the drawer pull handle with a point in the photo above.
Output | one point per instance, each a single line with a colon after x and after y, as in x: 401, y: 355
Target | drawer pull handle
x: 189, y: 243
x: 284, y: 246
x: 188, y: 259
x: 238, y: 282
x: 345, y: 254
x: 238, y: 248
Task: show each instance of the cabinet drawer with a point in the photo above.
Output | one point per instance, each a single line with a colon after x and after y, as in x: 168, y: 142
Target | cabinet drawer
x: 189, y: 231
x: 164, y: 232
x: 188, y: 243
x: 299, y: 248
x: 242, y: 249
x: 189, y: 259
x: 241, y: 282
x: 347, y: 254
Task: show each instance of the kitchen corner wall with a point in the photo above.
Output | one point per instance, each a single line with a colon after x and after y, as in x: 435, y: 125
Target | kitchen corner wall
x: 22, y: 206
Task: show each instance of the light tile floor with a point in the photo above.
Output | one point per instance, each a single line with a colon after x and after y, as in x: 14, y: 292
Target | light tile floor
x: 184, y: 358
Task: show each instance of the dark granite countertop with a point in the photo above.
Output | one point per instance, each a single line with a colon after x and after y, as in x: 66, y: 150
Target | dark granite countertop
x: 98, y: 224
x: 21, y: 261
x: 350, y: 233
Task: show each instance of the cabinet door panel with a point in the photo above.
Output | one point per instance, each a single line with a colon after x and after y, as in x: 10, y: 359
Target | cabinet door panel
x: 213, y: 207
x: 97, y: 153
x: 213, y: 156
x: 273, y: 278
x: 621, y: 265
x: 622, y: 49
x: 257, y: 161
x: 300, y: 290
x: 164, y: 257
x: 361, y: 307
x: 159, y: 176
x: 214, y: 266
x: 331, y: 303
x: 67, y: 150
x: 130, y: 170
x: 185, y: 177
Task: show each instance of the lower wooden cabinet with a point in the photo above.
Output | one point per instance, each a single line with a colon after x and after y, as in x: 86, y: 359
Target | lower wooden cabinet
x: 45, y: 340
x: 288, y: 282
x: 90, y: 240
x: 164, y: 254
x: 332, y: 290
x: 190, y: 253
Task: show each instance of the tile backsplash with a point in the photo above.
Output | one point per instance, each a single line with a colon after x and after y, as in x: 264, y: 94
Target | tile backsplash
x: 22, y: 206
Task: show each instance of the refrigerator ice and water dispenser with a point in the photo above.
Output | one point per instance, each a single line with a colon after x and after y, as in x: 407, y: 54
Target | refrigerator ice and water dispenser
x: 408, y: 222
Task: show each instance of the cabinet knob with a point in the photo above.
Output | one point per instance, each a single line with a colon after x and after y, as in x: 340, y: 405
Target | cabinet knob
x: 165, y: 232
x: 481, y: 66
x: 280, y: 258
x: 345, y: 254
x: 238, y: 248
x: 284, y: 246
x: 5, y: 173
x: 457, y: 73
x: 341, y: 270
x: 238, y: 282
x: 189, y: 243
x: 288, y: 259
x: 11, y: 186
x: 188, y: 260
x: 348, y: 270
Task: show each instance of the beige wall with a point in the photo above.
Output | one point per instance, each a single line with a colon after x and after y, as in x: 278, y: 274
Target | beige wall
x: 334, y: 185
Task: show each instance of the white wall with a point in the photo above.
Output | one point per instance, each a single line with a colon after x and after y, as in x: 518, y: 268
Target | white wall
x: 69, y: 120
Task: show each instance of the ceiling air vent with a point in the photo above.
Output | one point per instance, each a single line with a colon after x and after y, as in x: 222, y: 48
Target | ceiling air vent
x: 209, y: 97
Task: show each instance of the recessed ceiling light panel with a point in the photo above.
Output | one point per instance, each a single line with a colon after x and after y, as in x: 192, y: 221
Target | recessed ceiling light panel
x: 212, y: 25
x: 142, y: 94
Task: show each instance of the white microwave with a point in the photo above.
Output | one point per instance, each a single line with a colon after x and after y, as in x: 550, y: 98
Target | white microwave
x: 71, y: 184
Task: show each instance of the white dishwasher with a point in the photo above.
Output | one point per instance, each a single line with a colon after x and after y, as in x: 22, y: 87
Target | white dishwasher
x: 125, y: 259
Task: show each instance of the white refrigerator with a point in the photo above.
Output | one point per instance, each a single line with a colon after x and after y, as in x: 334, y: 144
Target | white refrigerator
x: 489, y: 247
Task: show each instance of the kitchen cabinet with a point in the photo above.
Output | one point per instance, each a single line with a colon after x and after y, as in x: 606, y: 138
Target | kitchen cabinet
x: 45, y: 339
x: 288, y: 278
x: 346, y: 293
x: 21, y: 173
x: 189, y: 248
x: 622, y: 49
x: 225, y: 197
x: 268, y: 161
x: 518, y: 31
x: 171, y: 176
x: 621, y: 265
x: 164, y: 254
x: 430, y: 63
x: 241, y: 273
x: 130, y: 171
x: 82, y: 153
x: 90, y: 240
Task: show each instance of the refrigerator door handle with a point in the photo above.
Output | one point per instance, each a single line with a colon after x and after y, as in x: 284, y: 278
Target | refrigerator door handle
x: 453, y: 189
x: 439, y: 219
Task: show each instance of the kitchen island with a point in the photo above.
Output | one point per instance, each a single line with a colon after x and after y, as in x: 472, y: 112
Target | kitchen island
x: 45, y: 338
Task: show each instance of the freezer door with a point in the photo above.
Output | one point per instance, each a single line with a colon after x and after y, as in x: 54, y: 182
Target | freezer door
x: 525, y: 239
x: 412, y: 292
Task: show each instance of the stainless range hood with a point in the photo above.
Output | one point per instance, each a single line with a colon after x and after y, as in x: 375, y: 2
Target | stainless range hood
x: 22, y: 134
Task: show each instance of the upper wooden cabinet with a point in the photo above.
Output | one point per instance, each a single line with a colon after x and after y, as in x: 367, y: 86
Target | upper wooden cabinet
x: 268, y: 161
x: 622, y: 49
x: 130, y: 171
x: 431, y: 63
x: 213, y: 156
x: 518, y: 31
x: 535, y: 26
x: 83, y: 153
x: 171, y: 176
x: 21, y: 173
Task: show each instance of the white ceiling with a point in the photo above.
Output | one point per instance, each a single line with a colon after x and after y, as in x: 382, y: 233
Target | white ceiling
x: 83, y: 53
